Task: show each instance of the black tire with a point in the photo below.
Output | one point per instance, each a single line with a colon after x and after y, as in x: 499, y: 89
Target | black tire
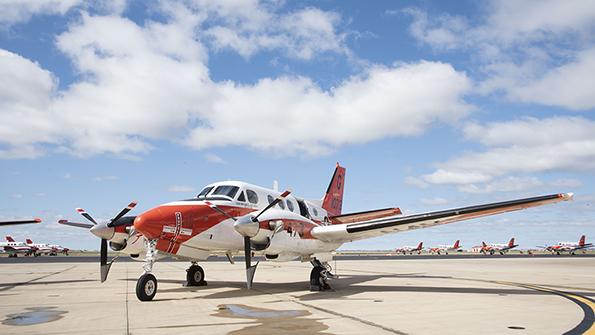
x: 317, y: 279
x: 146, y: 287
x: 491, y: 252
x: 195, y: 276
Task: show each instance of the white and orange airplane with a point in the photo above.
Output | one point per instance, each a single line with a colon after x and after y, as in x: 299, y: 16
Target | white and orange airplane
x: 229, y: 217
x: 446, y: 248
x: 47, y: 249
x: 410, y: 249
x: 569, y: 247
x: 13, y: 248
x: 500, y: 248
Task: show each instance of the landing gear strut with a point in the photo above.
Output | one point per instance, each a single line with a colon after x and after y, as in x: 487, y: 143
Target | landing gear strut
x: 319, y: 276
x: 146, y: 286
x: 195, y: 276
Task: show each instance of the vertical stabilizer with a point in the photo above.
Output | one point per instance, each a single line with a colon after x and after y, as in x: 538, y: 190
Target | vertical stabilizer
x: 9, y: 239
x: 456, y: 246
x: 581, y: 242
x: 333, y: 199
x: 29, y: 241
x: 511, y: 243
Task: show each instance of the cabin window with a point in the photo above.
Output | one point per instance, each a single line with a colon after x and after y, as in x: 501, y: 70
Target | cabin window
x: 315, y: 211
x: 270, y: 199
x: 290, y: 205
x: 204, y: 192
x: 252, y: 196
x: 227, y: 190
x: 303, y: 209
x: 242, y: 197
x: 282, y: 204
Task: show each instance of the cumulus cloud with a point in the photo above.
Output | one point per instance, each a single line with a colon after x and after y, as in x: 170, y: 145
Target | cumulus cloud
x: 520, y: 147
x: 517, y: 48
x: 142, y: 83
x: 212, y: 158
x: 15, y: 11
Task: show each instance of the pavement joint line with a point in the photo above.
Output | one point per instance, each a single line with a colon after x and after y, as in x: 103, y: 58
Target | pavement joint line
x: 127, y: 314
x: 6, y: 288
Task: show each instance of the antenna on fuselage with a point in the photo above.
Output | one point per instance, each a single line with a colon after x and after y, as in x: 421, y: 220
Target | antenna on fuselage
x: 275, y: 186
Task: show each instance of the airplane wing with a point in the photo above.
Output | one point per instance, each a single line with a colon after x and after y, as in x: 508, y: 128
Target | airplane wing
x: 366, y: 229
x: 365, y: 216
x: 76, y: 224
x: 8, y: 223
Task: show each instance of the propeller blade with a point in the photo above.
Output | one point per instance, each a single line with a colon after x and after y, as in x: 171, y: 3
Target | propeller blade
x: 125, y: 221
x: 104, y: 265
x: 250, y: 270
x: 219, y: 210
x: 122, y: 213
x: 272, y: 204
x: 86, y: 215
x: 76, y: 224
x: 8, y: 223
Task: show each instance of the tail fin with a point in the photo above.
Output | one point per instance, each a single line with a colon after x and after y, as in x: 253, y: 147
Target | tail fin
x: 456, y: 246
x: 333, y: 199
x: 511, y: 243
x: 419, y: 246
x: 9, y: 239
x: 483, y: 244
x: 581, y: 242
x: 29, y: 241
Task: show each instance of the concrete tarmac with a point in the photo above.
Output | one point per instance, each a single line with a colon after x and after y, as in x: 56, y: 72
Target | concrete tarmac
x: 393, y: 296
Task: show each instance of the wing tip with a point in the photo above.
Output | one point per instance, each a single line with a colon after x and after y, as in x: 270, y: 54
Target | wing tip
x: 566, y: 196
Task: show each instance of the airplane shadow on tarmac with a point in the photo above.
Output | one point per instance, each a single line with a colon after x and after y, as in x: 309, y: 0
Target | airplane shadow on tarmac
x: 342, y: 288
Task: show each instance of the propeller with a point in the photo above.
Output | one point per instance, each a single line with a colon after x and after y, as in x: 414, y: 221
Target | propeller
x: 106, y: 232
x: 248, y: 226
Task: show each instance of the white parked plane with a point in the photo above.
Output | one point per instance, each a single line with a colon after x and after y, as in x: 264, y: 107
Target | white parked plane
x: 500, y: 248
x: 410, y: 249
x: 13, y: 248
x: 446, y: 248
x: 569, y: 247
x: 229, y: 217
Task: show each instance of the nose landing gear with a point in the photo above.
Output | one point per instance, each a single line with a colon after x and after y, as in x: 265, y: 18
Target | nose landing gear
x: 146, y: 286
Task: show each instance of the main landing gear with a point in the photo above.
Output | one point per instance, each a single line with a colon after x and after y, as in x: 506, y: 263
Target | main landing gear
x: 319, y: 276
x: 195, y: 276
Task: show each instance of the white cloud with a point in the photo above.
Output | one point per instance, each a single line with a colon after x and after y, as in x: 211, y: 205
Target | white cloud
x: 212, y: 158
x: 144, y: 83
x: 520, y: 147
x: 522, y: 49
x: 293, y: 115
x: 25, y: 99
x: 15, y: 11
x: 180, y: 189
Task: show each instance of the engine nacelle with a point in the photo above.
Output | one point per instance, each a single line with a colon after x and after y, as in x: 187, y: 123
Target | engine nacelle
x: 117, y: 246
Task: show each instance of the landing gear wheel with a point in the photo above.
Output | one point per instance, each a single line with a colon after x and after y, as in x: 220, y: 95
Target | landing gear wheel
x: 195, y: 276
x: 491, y: 252
x: 146, y: 287
x: 318, y: 279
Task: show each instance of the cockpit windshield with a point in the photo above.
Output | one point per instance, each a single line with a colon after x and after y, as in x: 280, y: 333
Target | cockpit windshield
x: 227, y: 190
x: 204, y: 192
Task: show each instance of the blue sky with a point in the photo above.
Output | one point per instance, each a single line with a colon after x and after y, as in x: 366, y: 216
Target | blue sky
x: 429, y: 105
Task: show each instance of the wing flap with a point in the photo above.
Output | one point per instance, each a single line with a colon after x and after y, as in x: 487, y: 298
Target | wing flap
x: 359, y: 230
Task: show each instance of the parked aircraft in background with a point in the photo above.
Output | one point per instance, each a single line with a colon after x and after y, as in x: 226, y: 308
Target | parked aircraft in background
x: 501, y: 248
x: 446, y: 248
x: 569, y: 247
x: 13, y: 248
x: 47, y: 249
x: 15, y: 222
x: 229, y: 217
x: 410, y: 250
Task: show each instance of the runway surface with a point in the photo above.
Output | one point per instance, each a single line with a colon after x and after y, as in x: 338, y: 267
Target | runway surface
x: 514, y: 295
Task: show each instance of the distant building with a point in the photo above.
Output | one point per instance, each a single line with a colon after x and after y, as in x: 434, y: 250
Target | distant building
x: 476, y: 248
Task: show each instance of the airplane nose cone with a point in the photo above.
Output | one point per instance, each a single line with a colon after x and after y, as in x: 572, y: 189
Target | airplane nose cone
x: 102, y: 231
x: 150, y: 224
